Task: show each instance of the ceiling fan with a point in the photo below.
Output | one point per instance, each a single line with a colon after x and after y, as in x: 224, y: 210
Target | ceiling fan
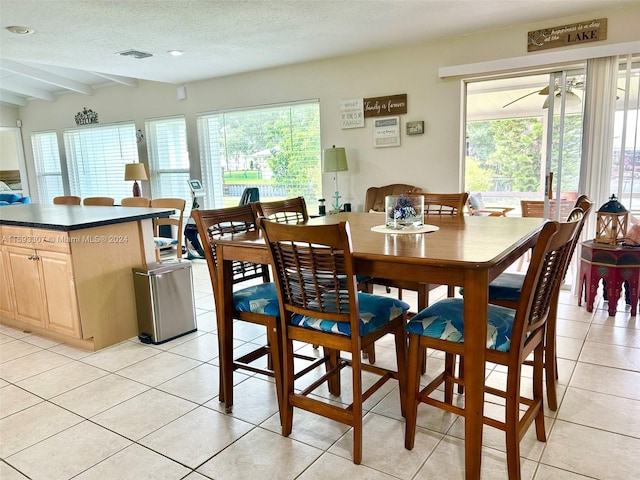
x: 571, y: 98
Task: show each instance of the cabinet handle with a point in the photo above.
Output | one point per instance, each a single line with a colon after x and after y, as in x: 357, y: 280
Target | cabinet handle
x: 34, y: 257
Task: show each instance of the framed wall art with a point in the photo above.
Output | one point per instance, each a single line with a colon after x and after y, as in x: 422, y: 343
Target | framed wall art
x: 415, y: 128
x: 386, y: 132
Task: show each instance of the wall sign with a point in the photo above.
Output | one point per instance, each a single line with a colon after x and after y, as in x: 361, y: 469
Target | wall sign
x: 351, y: 113
x: 383, y: 106
x: 386, y: 132
x: 565, y: 35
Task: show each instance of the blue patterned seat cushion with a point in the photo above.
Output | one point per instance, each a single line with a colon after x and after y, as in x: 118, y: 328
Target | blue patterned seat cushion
x: 375, y: 312
x: 444, y: 320
x: 506, y: 287
x: 164, y: 241
x: 261, y: 298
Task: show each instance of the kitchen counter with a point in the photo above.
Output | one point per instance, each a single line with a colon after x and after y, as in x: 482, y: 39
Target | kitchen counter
x: 66, y: 270
x: 74, y: 217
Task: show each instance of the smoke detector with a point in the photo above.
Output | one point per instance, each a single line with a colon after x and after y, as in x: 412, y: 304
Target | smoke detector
x: 18, y: 30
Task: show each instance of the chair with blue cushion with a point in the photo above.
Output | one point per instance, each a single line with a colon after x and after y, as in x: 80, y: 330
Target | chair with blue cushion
x: 505, y: 290
x: 173, y: 222
x: 512, y: 335
x: 320, y: 304
x: 254, y: 296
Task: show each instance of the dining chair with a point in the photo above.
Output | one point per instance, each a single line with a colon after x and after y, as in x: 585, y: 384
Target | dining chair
x: 445, y: 203
x: 476, y: 207
x: 506, y: 290
x: 512, y: 335
x: 290, y: 210
x: 98, y: 201
x: 135, y: 202
x: 375, y: 196
x: 319, y: 303
x: 249, y: 195
x: 253, y: 296
x: 162, y: 242
x: 66, y: 200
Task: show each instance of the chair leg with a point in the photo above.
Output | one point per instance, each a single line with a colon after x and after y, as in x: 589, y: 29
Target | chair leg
x: 356, y: 372
x: 286, y: 413
x: 512, y: 420
x: 401, y: 356
x: 461, y: 375
x: 449, y: 367
x: 538, y: 394
x: 550, y: 358
x: 275, y: 359
x: 414, y: 361
x: 332, y: 363
x: 370, y: 352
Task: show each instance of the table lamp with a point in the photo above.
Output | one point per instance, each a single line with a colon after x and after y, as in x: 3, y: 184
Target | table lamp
x: 335, y: 160
x: 135, y: 172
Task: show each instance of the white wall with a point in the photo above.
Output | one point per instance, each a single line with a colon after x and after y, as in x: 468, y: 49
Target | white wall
x: 431, y: 161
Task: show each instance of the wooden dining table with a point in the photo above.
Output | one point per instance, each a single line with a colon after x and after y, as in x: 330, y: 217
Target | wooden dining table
x: 467, y: 251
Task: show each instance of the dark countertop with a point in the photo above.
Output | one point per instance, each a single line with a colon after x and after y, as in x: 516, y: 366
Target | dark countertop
x: 74, y: 217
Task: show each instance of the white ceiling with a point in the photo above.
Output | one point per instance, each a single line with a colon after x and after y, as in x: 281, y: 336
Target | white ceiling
x: 76, y: 43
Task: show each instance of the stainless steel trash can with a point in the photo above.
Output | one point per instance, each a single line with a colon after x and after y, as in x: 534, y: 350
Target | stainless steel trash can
x: 164, y: 300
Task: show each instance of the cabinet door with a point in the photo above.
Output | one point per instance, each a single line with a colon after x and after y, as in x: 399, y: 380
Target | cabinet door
x: 6, y: 302
x: 59, y: 290
x: 25, y: 285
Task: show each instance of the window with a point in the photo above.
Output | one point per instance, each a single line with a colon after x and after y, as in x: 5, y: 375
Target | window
x: 168, y: 158
x: 47, y: 165
x: 274, y: 148
x: 96, y: 156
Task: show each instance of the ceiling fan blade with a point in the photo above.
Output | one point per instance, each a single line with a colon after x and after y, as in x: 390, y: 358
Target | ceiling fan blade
x: 544, y: 91
x: 518, y: 99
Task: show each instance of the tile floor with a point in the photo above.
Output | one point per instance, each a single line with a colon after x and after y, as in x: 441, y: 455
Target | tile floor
x: 136, y: 411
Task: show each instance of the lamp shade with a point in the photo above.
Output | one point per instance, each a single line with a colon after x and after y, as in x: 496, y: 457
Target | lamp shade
x: 335, y: 160
x: 135, y: 171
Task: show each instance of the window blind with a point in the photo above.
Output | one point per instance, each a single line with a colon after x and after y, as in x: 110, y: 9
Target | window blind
x: 96, y: 156
x: 168, y: 158
x: 275, y: 148
x: 46, y: 157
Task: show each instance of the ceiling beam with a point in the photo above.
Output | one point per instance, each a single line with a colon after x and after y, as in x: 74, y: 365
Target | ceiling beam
x: 6, y: 97
x: 127, y: 81
x: 46, y: 77
x: 15, y: 87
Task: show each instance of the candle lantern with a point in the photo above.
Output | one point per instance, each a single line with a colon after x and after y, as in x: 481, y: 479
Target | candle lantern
x: 611, y: 227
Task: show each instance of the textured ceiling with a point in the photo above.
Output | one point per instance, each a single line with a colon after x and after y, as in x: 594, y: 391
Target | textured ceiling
x: 78, y: 41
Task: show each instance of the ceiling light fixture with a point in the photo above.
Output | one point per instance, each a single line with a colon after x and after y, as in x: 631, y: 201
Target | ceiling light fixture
x: 18, y: 30
x: 175, y: 53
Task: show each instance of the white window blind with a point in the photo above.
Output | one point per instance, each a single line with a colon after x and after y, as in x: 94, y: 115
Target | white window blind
x: 274, y: 148
x: 46, y: 157
x: 96, y: 156
x: 168, y: 158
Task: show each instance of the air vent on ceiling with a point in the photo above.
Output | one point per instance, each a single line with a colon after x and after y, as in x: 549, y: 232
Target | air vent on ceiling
x: 135, y: 54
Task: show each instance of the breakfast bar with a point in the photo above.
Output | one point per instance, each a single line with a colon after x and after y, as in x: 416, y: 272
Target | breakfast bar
x: 67, y: 270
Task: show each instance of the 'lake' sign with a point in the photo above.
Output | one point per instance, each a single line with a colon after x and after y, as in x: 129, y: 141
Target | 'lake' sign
x: 566, y: 35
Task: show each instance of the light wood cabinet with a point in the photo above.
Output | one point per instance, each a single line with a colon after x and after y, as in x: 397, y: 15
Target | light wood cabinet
x: 25, y: 285
x: 6, y: 299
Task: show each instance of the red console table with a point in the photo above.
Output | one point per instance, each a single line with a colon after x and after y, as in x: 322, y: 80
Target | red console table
x: 615, y: 265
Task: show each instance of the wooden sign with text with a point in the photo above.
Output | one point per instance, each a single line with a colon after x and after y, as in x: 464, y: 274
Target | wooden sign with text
x: 385, y: 106
x: 574, y: 34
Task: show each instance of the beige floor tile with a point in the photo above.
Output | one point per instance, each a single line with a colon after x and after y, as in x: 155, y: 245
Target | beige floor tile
x: 120, y: 356
x: 68, y: 453
x: 615, y: 356
x: 159, y: 368
x: 143, y: 414
x: 165, y: 346
x: 599, y: 410
x: 388, y: 456
x: 572, y: 328
x: 627, y: 337
x: 14, y: 399
x: 61, y: 379
x: 623, y: 383
x: 100, y: 395
x: 69, y: 351
x: 198, y: 385
x: 545, y: 472
x: 206, y: 321
x: 332, y: 467
x: 30, y: 365
x: 568, y: 348
x: 135, y: 463
x: 449, y: 457
x: 592, y: 452
x: 7, y: 472
x: 309, y: 428
x: 13, y: 349
x: 204, y: 347
x: 32, y: 425
x: 254, y: 400
x: 262, y: 453
x: 39, y: 341
x: 13, y: 332
x: 196, y: 436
